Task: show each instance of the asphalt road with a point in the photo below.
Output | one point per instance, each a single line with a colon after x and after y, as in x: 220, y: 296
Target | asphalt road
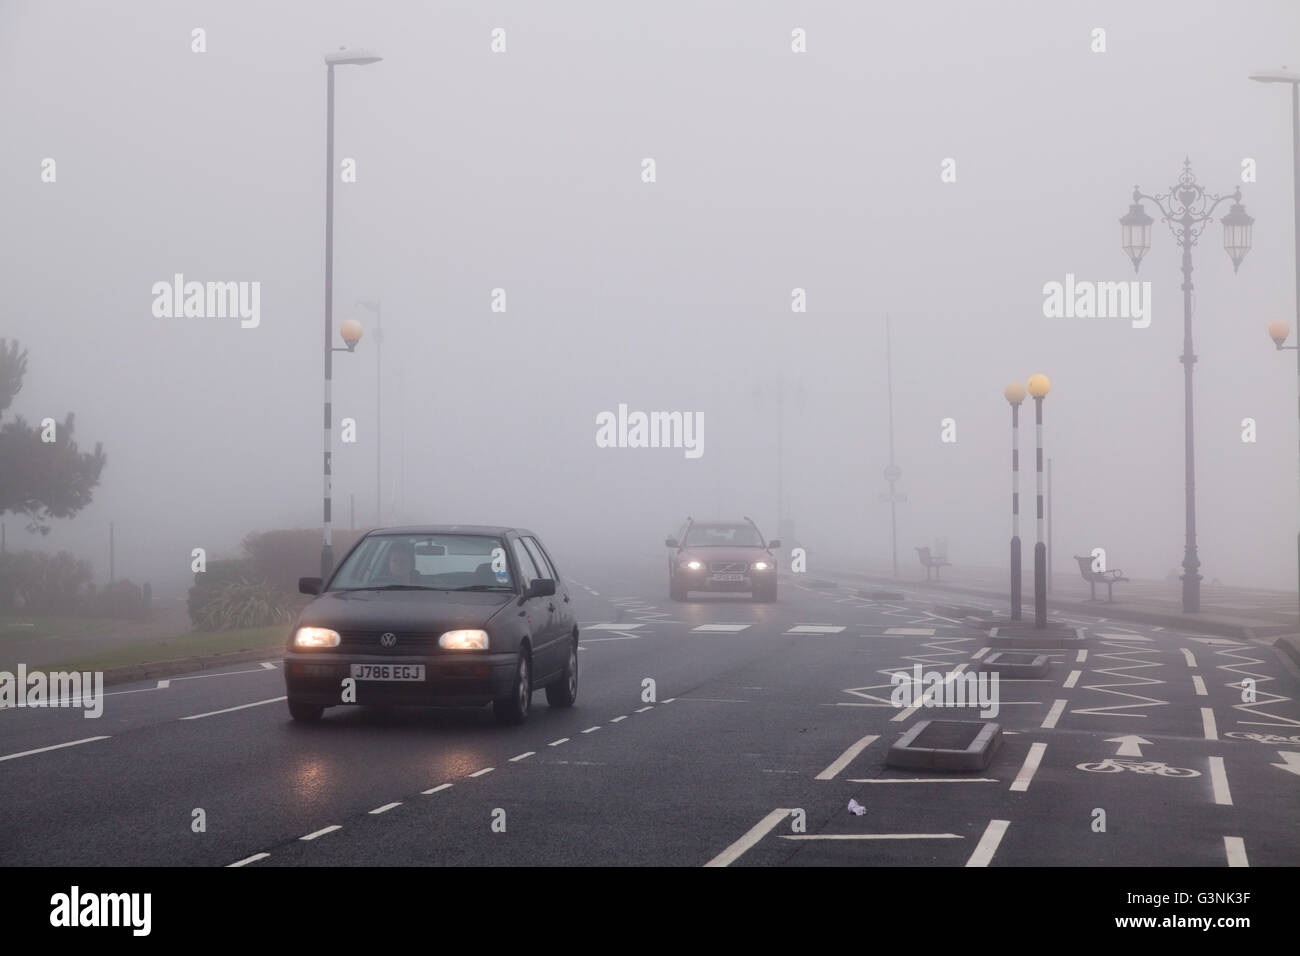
x: 757, y: 711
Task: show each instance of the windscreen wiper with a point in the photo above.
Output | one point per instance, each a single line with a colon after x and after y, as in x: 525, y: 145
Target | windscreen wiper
x: 484, y: 587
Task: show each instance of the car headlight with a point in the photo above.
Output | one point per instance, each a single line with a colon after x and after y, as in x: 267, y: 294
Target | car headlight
x: 762, y: 566
x: 464, y: 640
x: 315, y: 637
x: 693, y: 565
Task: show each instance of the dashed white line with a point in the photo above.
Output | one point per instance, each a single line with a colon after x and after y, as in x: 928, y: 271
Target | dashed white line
x: 527, y: 753
x: 479, y: 773
x: 1054, y: 714
x: 556, y: 743
x: 752, y: 836
x: 980, y: 653
x: 441, y: 786
x: 250, y: 859
x: 1188, y: 656
x: 228, y: 710
x: 988, y: 844
x: 1030, y: 767
x: 592, y: 730
x: 642, y: 710
x: 1219, y: 780
x: 1072, y: 679
x: 1080, y: 657
x: 617, y: 719
x: 321, y: 832
x: 911, y: 631
x: 1236, y: 850
x: 722, y: 628
x: 1210, y: 728
x: 1199, y: 683
x: 385, y: 808
x: 845, y: 758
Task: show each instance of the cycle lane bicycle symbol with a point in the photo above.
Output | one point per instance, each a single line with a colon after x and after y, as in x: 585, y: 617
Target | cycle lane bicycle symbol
x: 1119, y: 765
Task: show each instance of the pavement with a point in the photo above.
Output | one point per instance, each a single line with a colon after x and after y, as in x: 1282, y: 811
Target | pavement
x: 714, y: 732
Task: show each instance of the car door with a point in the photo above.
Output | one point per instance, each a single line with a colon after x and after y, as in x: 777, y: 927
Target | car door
x: 541, y: 613
x: 565, y: 617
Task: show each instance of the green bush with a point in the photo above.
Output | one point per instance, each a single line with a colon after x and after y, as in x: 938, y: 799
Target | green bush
x: 40, y: 583
x: 122, y: 600
x: 240, y: 604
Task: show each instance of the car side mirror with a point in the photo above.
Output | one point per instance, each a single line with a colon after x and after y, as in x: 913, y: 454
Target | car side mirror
x: 775, y: 543
x: 309, y: 585
x: 540, y: 587
x: 670, y: 542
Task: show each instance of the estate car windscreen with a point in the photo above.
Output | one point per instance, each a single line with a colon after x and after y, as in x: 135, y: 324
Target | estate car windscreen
x: 435, y: 562
x: 723, y: 536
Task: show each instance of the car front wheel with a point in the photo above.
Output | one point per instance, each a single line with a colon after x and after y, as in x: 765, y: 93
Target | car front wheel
x: 514, y: 709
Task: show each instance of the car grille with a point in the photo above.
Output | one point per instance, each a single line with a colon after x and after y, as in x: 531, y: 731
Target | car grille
x: 407, y: 641
x: 729, y: 567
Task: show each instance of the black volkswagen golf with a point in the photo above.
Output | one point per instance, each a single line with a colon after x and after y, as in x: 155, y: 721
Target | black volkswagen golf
x: 452, y: 615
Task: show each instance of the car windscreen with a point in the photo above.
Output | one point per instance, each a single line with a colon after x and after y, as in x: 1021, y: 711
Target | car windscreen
x: 723, y: 536
x: 435, y: 561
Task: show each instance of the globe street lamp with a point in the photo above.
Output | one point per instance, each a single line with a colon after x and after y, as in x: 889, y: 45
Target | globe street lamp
x: 341, y: 57
x: 1187, y: 208
x: 1278, y: 330
x: 1039, y: 386
x: 1015, y: 394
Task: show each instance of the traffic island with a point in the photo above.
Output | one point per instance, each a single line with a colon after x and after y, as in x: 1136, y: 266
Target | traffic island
x: 1005, y: 633
x: 961, y: 610
x: 946, y: 745
x: 1020, y: 664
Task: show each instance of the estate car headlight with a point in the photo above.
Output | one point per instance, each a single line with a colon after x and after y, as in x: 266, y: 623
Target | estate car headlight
x: 693, y: 565
x: 315, y: 637
x: 464, y: 640
x: 762, y: 566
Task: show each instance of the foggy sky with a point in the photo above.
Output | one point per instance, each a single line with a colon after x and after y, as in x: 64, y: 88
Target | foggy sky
x: 775, y: 170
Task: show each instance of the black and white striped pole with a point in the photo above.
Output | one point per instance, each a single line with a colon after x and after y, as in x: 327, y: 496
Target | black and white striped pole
x: 1038, y: 388
x: 1015, y: 394
x: 342, y: 57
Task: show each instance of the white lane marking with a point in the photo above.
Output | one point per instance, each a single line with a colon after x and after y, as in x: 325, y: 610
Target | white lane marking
x: 268, y: 665
x: 479, y: 773
x: 755, y: 833
x: 1121, y: 637
x: 908, y: 712
x: 163, y: 685
x: 228, y: 710
x: 527, y: 753
x: 591, y: 730
x: 815, y: 629
x: 1219, y: 779
x: 1080, y: 657
x: 911, y: 631
x: 980, y: 653
x: 642, y: 710
x: 41, y: 750
x: 988, y: 844
x: 668, y: 701
x: 1054, y: 714
x: 871, y: 836
x: 1030, y: 767
x: 612, y: 626
x: 1187, y: 656
x: 556, y: 743
x: 726, y: 628
x: 624, y: 637
x: 1210, y: 728
x: 1072, y: 679
x: 249, y: 859
x: 441, y: 786
x: 844, y: 759
x: 1290, y: 762
x: 1236, y: 850
x: 385, y: 808
x: 927, y: 780
x: 1199, y: 683
x: 617, y: 719
x: 321, y: 832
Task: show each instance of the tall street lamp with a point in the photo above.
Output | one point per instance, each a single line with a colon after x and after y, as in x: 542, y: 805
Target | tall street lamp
x: 1187, y: 208
x: 1038, y: 388
x: 1278, y: 330
x: 1015, y: 394
x: 341, y: 57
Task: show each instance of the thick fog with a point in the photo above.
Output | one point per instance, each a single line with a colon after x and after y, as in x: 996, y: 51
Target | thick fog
x: 774, y: 171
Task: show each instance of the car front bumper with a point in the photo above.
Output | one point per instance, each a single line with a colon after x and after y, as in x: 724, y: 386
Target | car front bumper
x: 317, y: 678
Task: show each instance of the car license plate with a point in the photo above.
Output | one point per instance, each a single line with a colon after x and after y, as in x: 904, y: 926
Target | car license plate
x: 388, y: 672
x: 727, y: 577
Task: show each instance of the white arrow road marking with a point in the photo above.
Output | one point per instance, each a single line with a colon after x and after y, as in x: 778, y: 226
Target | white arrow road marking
x: 755, y: 833
x: 845, y: 758
x: 1290, y: 762
x: 1236, y: 850
x: 1129, y: 746
x: 988, y: 844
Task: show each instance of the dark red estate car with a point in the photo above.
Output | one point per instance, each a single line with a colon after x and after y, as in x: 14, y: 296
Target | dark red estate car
x: 721, y: 557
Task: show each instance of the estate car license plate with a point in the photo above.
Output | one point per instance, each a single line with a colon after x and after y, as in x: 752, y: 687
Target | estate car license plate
x: 388, y: 671
x: 727, y: 577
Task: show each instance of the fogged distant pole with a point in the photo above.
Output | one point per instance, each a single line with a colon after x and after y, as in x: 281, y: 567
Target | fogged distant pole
x: 377, y: 307
x: 1015, y: 394
x: 1187, y: 208
x: 351, y: 329
x: 1038, y: 387
x: 892, y: 471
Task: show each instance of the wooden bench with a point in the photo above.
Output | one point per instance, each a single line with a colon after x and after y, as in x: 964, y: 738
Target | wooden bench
x: 929, y: 562
x: 1094, y: 578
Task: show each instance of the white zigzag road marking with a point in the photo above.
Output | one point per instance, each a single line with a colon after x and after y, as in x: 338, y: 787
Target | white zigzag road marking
x: 1277, y: 719
x: 937, y: 657
x: 1135, y: 680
